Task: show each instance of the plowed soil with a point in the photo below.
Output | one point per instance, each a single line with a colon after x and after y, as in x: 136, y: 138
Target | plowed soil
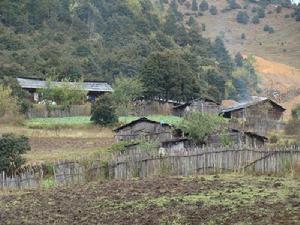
x: 228, y: 199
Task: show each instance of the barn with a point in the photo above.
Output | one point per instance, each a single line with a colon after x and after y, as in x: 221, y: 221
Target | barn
x: 144, y: 128
x: 32, y: 85
x: 204, y: 105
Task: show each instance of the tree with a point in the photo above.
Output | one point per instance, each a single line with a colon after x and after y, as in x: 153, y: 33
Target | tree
x: 223, y: 57
x: 242, y: 17
x: 261, y: 13
x: 278, y: 9
x: 167, y: 75
x: 9, y: 108
x: 213, y: 10
x: 11, y: 149
x: 199, y: 125
x: 233, y: 4
x: 65, y: 94
x: 296, y: 112
x: 255, y: 20
x: 243, y: 36
x: 194, y: 5
x: 103, y: 111
x: 191, y: 21
x: 204, y: 5
x: 239, y: 59
x: 126, y: 90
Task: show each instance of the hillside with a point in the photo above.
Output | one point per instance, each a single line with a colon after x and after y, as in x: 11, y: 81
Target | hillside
x: 282, y: 46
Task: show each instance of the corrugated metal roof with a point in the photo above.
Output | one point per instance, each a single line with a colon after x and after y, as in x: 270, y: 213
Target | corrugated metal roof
x: 87, y: 86
x: 250, y: 103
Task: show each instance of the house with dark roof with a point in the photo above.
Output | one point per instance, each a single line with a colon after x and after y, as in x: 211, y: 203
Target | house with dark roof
x: 237, y: 138
x: 262, y: 108
x: 93, y: 89
x: 204, y: 105
x: 146, y: 129
x: 260, y: 115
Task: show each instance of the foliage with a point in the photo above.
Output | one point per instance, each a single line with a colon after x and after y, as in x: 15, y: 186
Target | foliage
x: 213, y: 10
x: 11, y: 149
x: 103, y: 111
x: 66, y: 94
x: 9, y: 108
x: 126, y: 90
x: 199, y: 125
x: 255, y: 20
x: 296, y: 112
x: 167, y: 75
x: 242, y: 17
x: 269, y: 29
x: 194, y: 5
x: 238, y: 59
x: 204, y: 5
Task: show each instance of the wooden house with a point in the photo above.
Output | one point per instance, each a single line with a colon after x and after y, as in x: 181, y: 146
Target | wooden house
x: 260, y: 116
x: 204, y: 105
x: 93, y: 89
x: 260, y: 108
x: 144, y: 128
x: 237, y: 138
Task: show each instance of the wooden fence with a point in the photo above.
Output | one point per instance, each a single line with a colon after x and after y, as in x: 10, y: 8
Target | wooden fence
x: 41, y: 111
x: 143, y: 164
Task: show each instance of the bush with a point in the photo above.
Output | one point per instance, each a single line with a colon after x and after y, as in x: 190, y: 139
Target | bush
x: 243, y: 36
x: 255, y: 20
x: 103, y: 111
x: 242, y: 17
x: 269, y: 29
x: 261, y: 13
x: 9, y: 109
x: 204, y: 5
x: 296, y: 112
x: 199, y: 125
x: 213, y: 10
x: 11, y: 149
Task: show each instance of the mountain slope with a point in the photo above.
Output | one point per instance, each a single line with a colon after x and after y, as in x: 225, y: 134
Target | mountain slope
x: 282, y: 46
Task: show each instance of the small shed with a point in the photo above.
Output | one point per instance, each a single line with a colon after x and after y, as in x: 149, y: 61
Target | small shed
x: 177, y: 144
x: 144, y: 128
x: 237, y: 137
x: 204, y: 105
x: 32, y: 85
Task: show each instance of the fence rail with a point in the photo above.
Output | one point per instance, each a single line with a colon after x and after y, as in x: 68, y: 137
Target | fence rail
x: 143, y: 164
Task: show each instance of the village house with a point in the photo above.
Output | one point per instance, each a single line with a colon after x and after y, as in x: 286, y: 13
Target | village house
x: 94, y: 89
x: 260, y: 115
x: 237, y: 138
x: 204, y: 105
x: 144, y: 128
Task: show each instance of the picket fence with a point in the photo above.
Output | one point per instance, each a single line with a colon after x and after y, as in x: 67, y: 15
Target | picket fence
x: 143, y: 164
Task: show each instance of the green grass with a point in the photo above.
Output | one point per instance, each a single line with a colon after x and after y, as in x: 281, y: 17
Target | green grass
x: 52, y: 123
x: 58, y: 122
x: 174, y: 120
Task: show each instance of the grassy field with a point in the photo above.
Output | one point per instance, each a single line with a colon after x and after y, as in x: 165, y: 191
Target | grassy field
x: 220, y: 199
x: 52, y: 123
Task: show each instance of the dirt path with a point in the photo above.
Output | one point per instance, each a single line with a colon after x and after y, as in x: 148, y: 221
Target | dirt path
x: 228, y: 199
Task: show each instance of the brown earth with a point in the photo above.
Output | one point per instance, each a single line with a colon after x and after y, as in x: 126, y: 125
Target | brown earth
x: 225, y: 199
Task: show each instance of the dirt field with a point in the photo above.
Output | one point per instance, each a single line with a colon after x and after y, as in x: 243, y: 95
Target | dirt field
x: 63, y: 144
x: 224, y: 199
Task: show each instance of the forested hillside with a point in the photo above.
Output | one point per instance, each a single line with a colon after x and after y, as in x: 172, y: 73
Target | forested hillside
x: 103, y: 39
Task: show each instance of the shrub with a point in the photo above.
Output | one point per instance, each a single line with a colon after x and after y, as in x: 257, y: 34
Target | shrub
x: 9, y: 109
x: 199, y: 125
x: 243, y: 36
x: 103, y: 111
x: 203, y: 5
x: 255, y: 20
x: 261, y: 13
x: 278, y: 9
x: 242, y: 17
x: 296, y: 112
x: 269, y: 29
x: 286, y: 16
x: 213, y: 10
x: 11, y: 149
